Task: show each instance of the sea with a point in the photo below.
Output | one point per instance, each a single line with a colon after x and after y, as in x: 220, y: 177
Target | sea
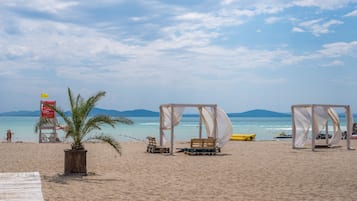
x: 265, y: 128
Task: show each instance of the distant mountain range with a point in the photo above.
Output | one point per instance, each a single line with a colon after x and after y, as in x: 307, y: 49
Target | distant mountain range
x: 148, y: 113
x: 259, y: 113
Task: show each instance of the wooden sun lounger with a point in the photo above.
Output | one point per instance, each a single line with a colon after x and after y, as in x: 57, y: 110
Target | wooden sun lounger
x: 153, y: 148
x: 202, y: 146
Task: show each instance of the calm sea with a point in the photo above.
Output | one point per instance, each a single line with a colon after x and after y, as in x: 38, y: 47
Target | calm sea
x: 264, y: 128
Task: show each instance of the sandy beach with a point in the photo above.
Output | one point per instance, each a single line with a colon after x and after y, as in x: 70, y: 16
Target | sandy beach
x: 259, y: 170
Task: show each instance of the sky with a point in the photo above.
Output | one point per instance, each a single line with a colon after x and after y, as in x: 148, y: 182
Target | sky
x: 239, y: 54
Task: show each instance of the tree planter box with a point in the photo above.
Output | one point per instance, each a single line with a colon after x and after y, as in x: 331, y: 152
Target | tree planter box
x: 75, y: 162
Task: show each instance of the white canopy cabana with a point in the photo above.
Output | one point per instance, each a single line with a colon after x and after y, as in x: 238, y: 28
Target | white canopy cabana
x: 316, y: 116
x: 216, y: 121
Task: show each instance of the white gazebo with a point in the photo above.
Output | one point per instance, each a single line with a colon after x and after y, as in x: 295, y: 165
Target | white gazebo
x: 216, y: 121
x: 316, y: 117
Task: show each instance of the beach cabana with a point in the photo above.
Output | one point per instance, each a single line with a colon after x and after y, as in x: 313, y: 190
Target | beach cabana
x: 316, y: 117
x: 216, y: 121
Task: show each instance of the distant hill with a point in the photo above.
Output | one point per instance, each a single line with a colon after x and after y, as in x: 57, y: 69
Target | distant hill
x: 148, y: 113
x: 128, y: 113
x: 259, y: 113
x: 21, y: 113
x: 95, y: 111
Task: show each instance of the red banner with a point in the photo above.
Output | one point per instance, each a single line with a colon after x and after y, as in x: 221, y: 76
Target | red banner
x: 47, y: 112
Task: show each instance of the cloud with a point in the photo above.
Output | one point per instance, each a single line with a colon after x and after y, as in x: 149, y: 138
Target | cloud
x: 323, y: 4
x: 339, y: 49
x: 272, y: 20
x: 50, y: 6
x: 319, y: 26
x: 227, y: 2
x: 297, y: 29
x: 209, y: 20
x: 351, y: 14
x: 334, y: 63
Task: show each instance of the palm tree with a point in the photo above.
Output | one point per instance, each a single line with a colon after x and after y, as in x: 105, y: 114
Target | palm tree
x: 79, y: 125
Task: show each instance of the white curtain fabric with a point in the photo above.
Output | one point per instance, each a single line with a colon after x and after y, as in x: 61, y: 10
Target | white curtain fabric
x: 337, y: 133
x: 225, y: 128
x: 178, y: 111
x: 208, y: 120
x: 302, y: 119
x: 166, y: 119
x: 224, y: 125
x: 319, y: 119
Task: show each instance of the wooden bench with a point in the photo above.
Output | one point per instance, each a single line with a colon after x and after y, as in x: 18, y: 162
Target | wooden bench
x: 202, y: 146
x: 153, y: 148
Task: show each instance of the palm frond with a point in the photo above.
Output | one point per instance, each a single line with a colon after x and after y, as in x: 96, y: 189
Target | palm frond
x: 110, y: 140
x: 124, y: 120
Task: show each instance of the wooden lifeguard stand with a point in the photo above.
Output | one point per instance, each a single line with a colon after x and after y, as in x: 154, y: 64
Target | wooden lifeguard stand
x: 48, y: 123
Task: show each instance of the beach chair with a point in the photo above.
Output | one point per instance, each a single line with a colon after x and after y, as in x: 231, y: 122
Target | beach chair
x: 202, y: 146
x: 153, y: 148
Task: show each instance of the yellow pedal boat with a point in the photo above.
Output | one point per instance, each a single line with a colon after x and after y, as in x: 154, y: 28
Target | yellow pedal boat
x: 242, y: 137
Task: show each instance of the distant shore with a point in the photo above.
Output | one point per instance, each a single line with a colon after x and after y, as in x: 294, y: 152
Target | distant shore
x: 148, y: 113
x: 258, y: 170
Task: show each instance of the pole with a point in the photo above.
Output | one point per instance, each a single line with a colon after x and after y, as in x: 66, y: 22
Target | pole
x: 349, y: 127
x: 313, y: 127
x: 200, y: 128
x: 293, y: 132
x: 172, y: 130
x: 161, y: 132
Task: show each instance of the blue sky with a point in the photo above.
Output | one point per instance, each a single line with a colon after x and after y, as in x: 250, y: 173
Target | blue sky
x: 241, y: 55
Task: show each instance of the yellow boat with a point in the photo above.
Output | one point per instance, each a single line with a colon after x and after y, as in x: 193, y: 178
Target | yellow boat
x: 242, y: 137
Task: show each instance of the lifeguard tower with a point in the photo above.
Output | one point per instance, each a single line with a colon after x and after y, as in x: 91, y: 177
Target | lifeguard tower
x: 48, y: 122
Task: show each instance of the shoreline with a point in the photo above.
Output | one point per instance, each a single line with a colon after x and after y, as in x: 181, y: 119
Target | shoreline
x: 256, y: 170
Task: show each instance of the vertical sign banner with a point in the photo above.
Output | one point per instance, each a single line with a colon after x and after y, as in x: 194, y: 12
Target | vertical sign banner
x: 47, y: 112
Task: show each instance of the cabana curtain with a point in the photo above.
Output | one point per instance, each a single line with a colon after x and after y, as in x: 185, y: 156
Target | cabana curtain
x: 178, y: 111
x: 224, y: 125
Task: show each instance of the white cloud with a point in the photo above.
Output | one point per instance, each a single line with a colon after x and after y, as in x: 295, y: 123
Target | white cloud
x: 272, y: 20
x: 318, y: 26
x: 334, y: 63
x: 351, y: 14
x: 340, y: 49
x: 227, y: 2
x: 246, y: 13
x: 209, y: 20
x: 297, y: 29
x: 51, y: 6
x: 323, y: 4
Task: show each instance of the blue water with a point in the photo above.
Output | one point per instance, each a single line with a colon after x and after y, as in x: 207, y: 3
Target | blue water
x: 264, y: 128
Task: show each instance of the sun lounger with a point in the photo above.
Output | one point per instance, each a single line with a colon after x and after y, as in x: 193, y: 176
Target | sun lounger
x: 153, y: 148
x: 202, y: 146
